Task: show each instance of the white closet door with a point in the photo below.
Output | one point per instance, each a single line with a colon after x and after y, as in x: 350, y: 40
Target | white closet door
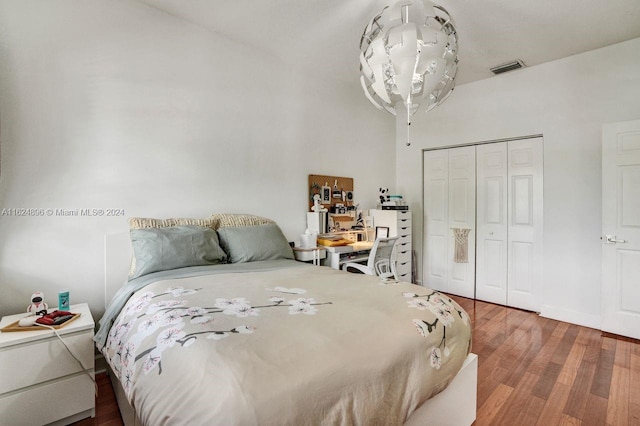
x: 436, y: 217
x: 525, y: 159
x: 449, y: 202
x: 462, y: 214
x: 621, y: 228
x: 491, y: 259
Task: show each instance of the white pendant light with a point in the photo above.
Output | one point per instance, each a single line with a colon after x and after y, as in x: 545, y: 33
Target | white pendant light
x: 409, y: 56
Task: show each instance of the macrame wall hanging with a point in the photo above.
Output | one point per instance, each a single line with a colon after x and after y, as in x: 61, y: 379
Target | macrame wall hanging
x: 461, y: 254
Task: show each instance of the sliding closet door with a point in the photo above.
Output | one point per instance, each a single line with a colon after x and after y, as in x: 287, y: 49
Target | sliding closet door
x: 436, y: 219
x: 525, y: 223
x: 449, y: 202
x: 462, y: 215
x: 491, y: 259
x: 501, y: 183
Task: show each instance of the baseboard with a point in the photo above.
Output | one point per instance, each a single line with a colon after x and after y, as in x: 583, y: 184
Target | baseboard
x: 572, y: 317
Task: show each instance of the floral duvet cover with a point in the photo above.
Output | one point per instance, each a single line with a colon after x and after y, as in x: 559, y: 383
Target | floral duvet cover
x: 293, y: 345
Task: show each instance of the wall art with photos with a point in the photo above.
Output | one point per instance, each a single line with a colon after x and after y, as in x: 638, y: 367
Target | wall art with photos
x: 332, y: 190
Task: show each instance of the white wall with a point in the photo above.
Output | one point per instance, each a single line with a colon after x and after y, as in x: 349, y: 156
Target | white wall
x: 567, y: 101
x: 114, y: 104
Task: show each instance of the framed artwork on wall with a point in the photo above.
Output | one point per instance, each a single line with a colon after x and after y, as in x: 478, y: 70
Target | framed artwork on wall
x: 382, y: 232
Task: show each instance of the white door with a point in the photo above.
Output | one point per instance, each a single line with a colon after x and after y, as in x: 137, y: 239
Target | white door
x: 449, y: 202
x: 491, y: 259
x: 436, y: 218
x: 621, y: 228
x: 524, y: 215
x: 462, y: 214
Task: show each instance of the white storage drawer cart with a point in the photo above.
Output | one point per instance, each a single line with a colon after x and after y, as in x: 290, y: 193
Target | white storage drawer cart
x: 399, y: 224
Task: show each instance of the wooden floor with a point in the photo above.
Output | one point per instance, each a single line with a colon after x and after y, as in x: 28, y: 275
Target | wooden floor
x: 531, y: 371
x: 537, y: 371
x: 107, y: 413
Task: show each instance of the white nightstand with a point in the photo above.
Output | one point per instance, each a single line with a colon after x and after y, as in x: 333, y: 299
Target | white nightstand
x: 313, y: 254
x: 40, y: 382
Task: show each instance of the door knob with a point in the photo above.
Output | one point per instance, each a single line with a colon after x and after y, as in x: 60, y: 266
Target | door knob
x: 611, y: 239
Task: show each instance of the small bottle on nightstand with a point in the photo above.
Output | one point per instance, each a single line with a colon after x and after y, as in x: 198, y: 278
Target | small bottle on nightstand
x: 63, y: 301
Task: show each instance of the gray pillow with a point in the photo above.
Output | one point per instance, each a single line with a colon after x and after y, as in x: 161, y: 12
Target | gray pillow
x: 161, y: 249
x: 253, y: 243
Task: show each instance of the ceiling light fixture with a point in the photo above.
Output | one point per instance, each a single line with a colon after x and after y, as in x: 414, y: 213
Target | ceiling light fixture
x: 409, y: 57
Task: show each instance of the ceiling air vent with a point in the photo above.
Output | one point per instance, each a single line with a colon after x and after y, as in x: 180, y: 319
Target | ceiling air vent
x: 509, y: 66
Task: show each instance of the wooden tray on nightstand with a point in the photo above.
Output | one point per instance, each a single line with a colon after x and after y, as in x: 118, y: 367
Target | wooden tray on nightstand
x: 15, y: 327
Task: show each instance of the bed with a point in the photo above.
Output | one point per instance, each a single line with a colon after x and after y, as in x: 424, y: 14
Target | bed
x: 259, y: 338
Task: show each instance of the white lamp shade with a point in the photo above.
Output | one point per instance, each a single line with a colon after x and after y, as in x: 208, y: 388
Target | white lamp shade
x: 408, y: 55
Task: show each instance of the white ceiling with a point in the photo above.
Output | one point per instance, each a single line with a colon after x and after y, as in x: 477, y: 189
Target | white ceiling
x: 326, y: 33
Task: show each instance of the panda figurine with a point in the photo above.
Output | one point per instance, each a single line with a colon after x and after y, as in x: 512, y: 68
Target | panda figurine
x: 384, y: 195
x: 38, y: 305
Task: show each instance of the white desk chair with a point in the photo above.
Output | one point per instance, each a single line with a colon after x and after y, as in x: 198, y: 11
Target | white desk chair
x: 379, y: 261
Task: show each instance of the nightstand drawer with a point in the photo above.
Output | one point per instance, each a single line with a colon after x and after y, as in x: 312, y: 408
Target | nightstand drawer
x: 49, y: 402
x: 45, y: 359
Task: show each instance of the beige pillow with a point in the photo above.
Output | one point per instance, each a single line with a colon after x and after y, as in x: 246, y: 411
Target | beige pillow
x: 229, y: 220
x: 144, y: 223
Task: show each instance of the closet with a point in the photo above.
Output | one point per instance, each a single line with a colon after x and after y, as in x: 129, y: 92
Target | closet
x: 483, y: 221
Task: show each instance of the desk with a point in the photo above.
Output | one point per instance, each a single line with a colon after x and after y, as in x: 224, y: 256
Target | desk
x: 356, y: 252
